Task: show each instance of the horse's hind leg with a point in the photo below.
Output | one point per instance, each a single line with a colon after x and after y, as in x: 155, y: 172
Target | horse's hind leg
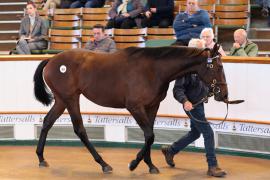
x: 142, y: 119
x: 55, y: 112
x: 74, y: 111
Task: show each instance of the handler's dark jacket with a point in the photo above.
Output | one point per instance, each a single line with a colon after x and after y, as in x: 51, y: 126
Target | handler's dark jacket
x: 189, y: 88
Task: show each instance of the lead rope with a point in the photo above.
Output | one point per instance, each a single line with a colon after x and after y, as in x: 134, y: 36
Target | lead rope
x: 200, y: 121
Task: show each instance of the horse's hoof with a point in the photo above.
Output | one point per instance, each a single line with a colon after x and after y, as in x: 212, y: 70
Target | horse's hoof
x: 133, y: 164
x: 154, y: 170
x: 43, y: 164
x: 107, y: 169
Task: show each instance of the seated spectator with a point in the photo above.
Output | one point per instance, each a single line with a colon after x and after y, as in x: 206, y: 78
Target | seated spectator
x: 242, y: 46
x: 88, y: 3
x: 51, y: 4
x: 33, y: 31
x: 125, y: 14
x: 101, y: 42
x: 207, y: 35
x: 158, y: 13
x: 265, y: 4
x: 190, y: 23
x: 65, y: 4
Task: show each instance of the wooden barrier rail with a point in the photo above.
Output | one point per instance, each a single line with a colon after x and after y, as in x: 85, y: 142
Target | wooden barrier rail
x: 226, y: 59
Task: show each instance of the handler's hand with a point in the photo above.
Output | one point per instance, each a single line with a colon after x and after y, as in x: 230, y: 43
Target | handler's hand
x: 188, y: 106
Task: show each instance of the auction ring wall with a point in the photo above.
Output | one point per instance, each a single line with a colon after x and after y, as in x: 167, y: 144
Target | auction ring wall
x: 247, y: 128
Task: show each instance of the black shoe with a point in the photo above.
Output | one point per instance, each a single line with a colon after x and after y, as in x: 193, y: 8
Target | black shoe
x: 168, y: 156
x: 216, y: 172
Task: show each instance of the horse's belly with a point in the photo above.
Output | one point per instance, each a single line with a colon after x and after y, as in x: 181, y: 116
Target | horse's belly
x: 106, y: 99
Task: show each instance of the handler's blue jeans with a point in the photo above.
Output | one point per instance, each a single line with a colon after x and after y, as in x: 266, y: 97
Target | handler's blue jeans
x: 196, y: 129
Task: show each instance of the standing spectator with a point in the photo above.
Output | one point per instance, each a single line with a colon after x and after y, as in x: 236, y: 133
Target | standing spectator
x: 190, y: 23
x: 101, y: 42
x: 189, y: 90
x: 159, y: 13
x: 207, y: 35
x: 125, y: 14
x: 88, y: 3
x: 33, y: 31
x: 52, y: 4
x: 242, y: 46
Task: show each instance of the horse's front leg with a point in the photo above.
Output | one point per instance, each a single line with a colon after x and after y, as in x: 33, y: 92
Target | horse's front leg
x: 143, y: 121
x: 151, y: 112
x: 147, y: 157
x: 55, y: 112
x: 74, y: 111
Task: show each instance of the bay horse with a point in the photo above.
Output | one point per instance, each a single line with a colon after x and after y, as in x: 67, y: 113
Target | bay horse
x: 133, y: 78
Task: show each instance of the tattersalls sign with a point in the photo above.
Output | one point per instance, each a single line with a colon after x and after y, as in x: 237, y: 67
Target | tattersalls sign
x: 127, y: 120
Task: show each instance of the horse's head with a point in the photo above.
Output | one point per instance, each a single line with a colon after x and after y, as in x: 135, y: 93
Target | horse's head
x: 213, y: 75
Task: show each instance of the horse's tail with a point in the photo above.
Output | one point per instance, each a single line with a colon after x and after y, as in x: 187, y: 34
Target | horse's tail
x: 40, y: 89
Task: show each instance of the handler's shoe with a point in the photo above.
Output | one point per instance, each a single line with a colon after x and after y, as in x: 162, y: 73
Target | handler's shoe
x: 168, y: 156
x: 216, y: 172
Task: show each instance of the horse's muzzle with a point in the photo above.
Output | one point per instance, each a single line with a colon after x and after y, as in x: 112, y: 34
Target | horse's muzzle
x: 219, y: 97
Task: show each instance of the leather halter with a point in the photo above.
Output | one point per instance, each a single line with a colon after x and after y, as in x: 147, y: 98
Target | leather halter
x: 215, y: 89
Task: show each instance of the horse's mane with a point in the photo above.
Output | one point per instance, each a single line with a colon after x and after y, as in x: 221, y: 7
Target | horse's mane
x: 164, y: 52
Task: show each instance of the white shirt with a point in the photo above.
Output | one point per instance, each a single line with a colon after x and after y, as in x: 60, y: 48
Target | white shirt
x: 32, y: 20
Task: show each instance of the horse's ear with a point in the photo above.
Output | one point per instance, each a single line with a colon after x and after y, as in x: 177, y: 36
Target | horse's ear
x: 215, y: 49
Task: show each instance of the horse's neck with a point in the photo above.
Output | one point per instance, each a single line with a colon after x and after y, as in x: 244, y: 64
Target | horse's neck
x: 179, y: 67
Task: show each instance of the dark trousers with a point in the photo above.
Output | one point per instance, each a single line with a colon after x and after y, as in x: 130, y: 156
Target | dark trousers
x: 198, y: 128
x: 161, y: 23
x: 125, y: 23
x: 65, y: 4
x: 88, y: 4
